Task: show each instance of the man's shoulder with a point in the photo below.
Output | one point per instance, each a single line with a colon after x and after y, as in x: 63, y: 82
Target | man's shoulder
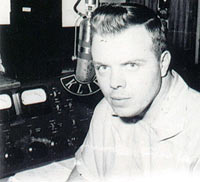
x: 192, y: 109
x: 185, y: 95
x: 194, y: 93
x: 184, y: 91
x: 187, y: 102
x: 193, y: 98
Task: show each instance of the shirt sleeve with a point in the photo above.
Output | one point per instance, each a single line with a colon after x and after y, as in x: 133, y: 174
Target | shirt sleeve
x: 89, y: 157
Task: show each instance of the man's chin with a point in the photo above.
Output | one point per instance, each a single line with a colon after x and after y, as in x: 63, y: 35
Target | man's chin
x: 129, y: 117
x: 124, y: 114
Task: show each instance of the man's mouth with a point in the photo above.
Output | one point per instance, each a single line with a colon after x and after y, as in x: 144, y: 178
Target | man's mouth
x: 119, y: 98
x: 119, y: 101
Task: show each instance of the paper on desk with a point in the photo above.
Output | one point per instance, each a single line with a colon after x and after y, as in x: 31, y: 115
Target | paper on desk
x: 54, y: 172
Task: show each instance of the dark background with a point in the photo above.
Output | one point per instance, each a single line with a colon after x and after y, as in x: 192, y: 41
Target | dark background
x: 35, y: 45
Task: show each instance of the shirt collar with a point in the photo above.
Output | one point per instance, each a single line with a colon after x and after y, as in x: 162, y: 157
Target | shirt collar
x: 168, y: 120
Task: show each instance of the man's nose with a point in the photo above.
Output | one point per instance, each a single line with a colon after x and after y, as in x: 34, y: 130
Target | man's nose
x: 117, y: 79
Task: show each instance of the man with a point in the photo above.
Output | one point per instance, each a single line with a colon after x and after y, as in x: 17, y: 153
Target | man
x: 148, y: 122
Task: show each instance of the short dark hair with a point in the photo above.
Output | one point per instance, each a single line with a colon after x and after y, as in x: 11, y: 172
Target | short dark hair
x: 114, y: 18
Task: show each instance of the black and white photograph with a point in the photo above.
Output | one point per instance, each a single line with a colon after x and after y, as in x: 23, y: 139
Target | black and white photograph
x: 99, y: 90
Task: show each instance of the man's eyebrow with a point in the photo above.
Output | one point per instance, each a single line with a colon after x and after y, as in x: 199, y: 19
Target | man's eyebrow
x: 134, y: 61
x: 98, y: 63
x: 95, y: 62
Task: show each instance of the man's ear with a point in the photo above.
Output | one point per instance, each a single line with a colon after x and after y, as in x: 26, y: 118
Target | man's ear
x: 165, y: 60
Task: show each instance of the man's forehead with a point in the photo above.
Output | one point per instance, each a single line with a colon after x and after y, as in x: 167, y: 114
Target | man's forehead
x: 133, y: 44
x: 137, y: 33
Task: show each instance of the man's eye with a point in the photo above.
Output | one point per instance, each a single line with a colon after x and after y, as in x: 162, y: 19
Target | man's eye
x: 102, y: 68
x: 131, y: 65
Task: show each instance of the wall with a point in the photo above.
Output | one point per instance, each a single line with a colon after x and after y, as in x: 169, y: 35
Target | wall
x: 5, y: 12
x: 69, y: 17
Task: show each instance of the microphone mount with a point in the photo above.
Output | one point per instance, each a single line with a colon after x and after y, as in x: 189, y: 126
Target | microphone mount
x: 84, y: 68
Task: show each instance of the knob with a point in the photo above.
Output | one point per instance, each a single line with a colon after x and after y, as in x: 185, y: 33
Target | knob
x: 13, y: 156
x: 37, y: 150
x: 59, y: 144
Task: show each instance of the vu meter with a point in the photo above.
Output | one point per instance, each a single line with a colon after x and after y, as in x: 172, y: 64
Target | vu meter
x: 5, y: 101
x: 33, y: 96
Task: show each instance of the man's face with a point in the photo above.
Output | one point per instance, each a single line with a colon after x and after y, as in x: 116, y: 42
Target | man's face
x: 127, y: 70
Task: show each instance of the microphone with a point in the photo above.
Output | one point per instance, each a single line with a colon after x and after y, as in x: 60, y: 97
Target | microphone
x: 84, y: 69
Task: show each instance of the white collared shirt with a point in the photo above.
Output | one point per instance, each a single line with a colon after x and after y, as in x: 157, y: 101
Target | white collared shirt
x: 165, y: 143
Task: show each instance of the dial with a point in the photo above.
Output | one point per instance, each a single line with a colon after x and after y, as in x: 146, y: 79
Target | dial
x: 33, y: 96
x: 5, y: 101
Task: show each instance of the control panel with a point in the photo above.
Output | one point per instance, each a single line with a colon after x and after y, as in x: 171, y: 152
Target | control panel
x: 43, y: 121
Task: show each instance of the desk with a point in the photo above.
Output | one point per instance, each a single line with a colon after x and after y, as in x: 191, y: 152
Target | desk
x: 56, y: 171
x: 4, y: 180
